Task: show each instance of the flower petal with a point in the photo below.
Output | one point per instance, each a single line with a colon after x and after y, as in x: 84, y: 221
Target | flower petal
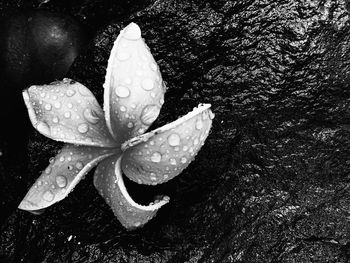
x: 109, y: 182
x: 134, y: 90
x: 62, y: 175
x: 160, y: 155
x: 67, y: 111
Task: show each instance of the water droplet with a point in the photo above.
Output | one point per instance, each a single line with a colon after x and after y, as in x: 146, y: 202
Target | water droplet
x: 165, y: 176
x: 40, y: 183
x: 132, y: 32
x: 42, y: 94
x: 147, y: 84
x: 43, y: 128
x: 161, y: 101
x: 48, y: 106
x: 172, y: 161
x: 122, y: 108
x: 62, y: 158
x: 156, y: 157
x: 52, y: 159
x: 57, y: 105
x: 83, y: 90
x: 91, y: 116
x: 123, y: 55
x: 185, y: 148
x: 195, y: 142
x: 153, y: 177
x: 199, y: 124
x: 61, y: 181
x: 83, y: 128
x: 174, y: 139
x: 122, y: 92
x: 79, y: 165
x: 48, y: 196
x: 67, y: 114
x: 55, y: 120
x: 70, y: 167
x: 130, y: 125
x: 183, y: 160
x: 70, y: 92
x: 149, y: 114
x: 70, y: 105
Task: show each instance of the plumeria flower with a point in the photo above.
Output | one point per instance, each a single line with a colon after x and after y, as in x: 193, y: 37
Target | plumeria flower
x: 114, y: 137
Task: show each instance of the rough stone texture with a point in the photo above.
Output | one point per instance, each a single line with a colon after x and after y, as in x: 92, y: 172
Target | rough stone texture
x: 271, y: 184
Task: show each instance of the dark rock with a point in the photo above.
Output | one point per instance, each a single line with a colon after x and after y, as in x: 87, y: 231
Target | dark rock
x: 271, y: 184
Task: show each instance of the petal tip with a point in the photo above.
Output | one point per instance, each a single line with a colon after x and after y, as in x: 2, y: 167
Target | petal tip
x: 132, y: 32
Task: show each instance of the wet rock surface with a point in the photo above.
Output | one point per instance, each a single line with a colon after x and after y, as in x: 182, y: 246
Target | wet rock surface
x: 271, y: 184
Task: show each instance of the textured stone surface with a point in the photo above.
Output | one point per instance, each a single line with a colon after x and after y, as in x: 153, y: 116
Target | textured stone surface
x: 271, y: 183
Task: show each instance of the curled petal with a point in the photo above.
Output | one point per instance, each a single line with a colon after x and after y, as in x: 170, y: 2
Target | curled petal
x: 109, y: 182
x: 160, y: 155
x: 62, y: 175
x: 67, y: 111
x: 134, y: 90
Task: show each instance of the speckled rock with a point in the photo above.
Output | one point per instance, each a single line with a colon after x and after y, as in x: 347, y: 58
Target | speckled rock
x: 271, y: 184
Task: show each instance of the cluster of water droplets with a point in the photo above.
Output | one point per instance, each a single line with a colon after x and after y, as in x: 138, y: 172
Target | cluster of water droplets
x: 67, y: 111
x: 167, y: 153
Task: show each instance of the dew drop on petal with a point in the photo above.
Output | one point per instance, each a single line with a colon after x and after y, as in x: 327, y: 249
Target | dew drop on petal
x: 149, y: 114
x: 122, y: 92
x: 147, y: 84
x: 130, y: 125
x: 61, y: 181
x: 62, y: 159
x: 48, y: 106
x: 172, y: 161
x: 70, y: 92
x: 183, y: 160
x: 67, y: 114
x: 55, y: 120
x: 90, y: 116
x: 40, y: 183
x: 83, y: 128
x: 48, y: 196
x: 122, y: 108
x: 57, y: 105
x: 70, y: 105
x: 156, y: 157
x: 174, y: 139
x: 79, y: 165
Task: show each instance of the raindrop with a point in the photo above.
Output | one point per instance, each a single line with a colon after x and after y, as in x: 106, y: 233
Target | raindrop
x: 57, y: 105
x: 70, y: 167
x: 55, y: 120
x: 165, y: 176
x: 83, y: 91
x: 172, y: 161
x: 123, y: 55
x: 149, y: 114
x: 153, y: 177
x: 61, y: 181
x: 79, y: 165
x: 147, y: 84
x: 70, y: 105
x: 133, y: 106
x: 83, y: 128
x: 130, y: 125
x: 156, y: 157
x: 91, y: 116
x: 174, y: 139
x: 52, y: 159
x: 40, y: 183
x: 185, y: 148
x: 67, y: 114
x: 122, y: 108
x: 48, y: 170
x: 42, y: 94
x: 122, y: 92
x: 70, y: 92
x: 199, y: 124
x: 48, y: 106
x: 62, y: 158
x: 183, y: 160
x: 48, y: 196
